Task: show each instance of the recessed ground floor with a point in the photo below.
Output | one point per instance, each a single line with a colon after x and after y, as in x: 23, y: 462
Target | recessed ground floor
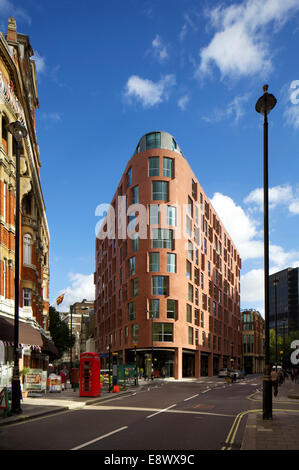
x: 172, y: 362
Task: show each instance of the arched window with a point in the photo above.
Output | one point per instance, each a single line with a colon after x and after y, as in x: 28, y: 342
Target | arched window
x: 4, y: 123
x: 27, y: 249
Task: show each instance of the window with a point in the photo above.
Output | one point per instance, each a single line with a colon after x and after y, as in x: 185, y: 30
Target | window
x: 172, y: 309
x: 190, y: 249
x: 190, y: 335
x: 160, y: 190
x: 135, y: 195
x: 132, y: 266
x: 174, y: 144
x: 188, y: 226
x: 162, y: 238
x: 190, y: 206
x: 190, y: 293
x: 135, y: 333
x: 4, y: 200
x: 202, y: 319
x: 129, y: 177
x: 27, y: 249
x: 153, y: 166
x: 4, y: 276
x: 171, y: 262
x: 132, y: 314
x: 188, y: 270
x: 188, y: 313
x: 163, y: 332
x: 196, y: 338
x: 171, y: 216
x: 154, y: 214
x: 26, y: 297
x: 168, y: 167
x: 153, y: 140
x: 203, y: 338
x: 154, y: 308
x: 194, y: 189
x: 134, y: 285
x: 160, y: 285
x: 135, y: 242
x: 154, y: 262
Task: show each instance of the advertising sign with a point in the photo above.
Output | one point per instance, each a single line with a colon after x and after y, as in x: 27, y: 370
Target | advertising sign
x: 33, y: 380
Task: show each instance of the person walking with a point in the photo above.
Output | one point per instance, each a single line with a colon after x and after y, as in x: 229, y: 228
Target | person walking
x: 274, y: 379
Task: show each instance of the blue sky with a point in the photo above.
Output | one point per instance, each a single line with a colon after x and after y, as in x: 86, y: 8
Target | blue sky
x: 109, y: 72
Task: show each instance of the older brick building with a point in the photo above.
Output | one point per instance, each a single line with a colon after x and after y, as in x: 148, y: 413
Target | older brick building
x: 173, y: 289
x: 18, y: 101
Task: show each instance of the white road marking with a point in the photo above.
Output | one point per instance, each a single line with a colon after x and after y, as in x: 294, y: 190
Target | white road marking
x: 205, y: 391
x: 190, y: 398
x: 99, y: 438
x: 161, y: 411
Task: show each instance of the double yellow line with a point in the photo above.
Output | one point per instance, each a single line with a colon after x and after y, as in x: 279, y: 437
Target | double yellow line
x: 234, y: 429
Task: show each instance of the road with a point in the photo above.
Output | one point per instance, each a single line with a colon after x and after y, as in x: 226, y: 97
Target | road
x: 206, y: 415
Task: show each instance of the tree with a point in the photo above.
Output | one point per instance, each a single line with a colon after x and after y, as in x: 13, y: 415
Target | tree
x: 284, y: 350
x: 60, y: 332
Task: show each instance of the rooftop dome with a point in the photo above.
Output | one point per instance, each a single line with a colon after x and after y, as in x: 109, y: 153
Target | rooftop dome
x: 157, y: 140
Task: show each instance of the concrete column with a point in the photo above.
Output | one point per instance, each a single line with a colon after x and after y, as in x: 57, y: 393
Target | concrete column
x: 178, y: 363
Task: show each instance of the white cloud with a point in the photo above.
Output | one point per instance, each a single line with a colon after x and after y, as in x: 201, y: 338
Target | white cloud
x: 240, y: 226
x: 240, y: 45
x: 51, y: 116
x: 282, y: 194
x: 82, y: 287
x: 291, y: 115
x: 40, y: 63
x: 182, y: 102
x: 147, y: 92
x: 252, y: 286
x: 160, y: 50
x: 234, y: 111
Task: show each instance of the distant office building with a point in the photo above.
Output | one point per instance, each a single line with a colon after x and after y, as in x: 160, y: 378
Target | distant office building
x: 171, y: 288
x: 253, y: 341
x: 287, y: 301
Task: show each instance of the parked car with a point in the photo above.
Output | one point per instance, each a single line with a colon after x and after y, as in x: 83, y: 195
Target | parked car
x: 238, y: 373
x: 224, y: 372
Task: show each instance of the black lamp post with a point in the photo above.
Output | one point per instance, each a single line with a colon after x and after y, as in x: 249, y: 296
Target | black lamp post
x: 275, y: 282
x: 263, y: 106
x: 18, y: 132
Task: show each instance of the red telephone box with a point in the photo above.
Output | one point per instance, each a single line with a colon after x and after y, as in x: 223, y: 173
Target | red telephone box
x: 90, y: 371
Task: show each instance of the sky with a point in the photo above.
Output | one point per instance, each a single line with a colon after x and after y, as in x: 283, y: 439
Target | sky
x: 111, y: 71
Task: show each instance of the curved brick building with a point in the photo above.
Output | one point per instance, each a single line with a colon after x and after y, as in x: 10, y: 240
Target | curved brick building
x: 167, y: 273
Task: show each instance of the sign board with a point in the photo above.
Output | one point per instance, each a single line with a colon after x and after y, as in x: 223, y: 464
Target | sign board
x: 35, y: 380
x: 54, y: 383
x: 4, y: 399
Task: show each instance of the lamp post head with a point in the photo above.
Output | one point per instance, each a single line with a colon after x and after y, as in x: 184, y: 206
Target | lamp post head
x: 17, y: 130
x: 266, y: 102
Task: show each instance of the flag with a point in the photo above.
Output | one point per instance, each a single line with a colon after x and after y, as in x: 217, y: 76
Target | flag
x: 59, y: 299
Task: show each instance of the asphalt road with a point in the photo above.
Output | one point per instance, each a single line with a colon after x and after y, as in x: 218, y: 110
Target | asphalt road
x: 165, y: 416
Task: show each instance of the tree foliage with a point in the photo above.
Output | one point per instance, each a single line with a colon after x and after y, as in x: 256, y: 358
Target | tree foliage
x: 284, y: 349
x: 60, y: 332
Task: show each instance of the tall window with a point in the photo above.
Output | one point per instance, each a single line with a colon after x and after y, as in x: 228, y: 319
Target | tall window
x: 135, y: 195
x: 135, y: 242
x: 135, y: 333
x: 171, y: 216
x: 153, y: 166
x: 160, y: 190
x: 172, y: 309
x: 154, y: 308
x: 134, y: 285
x: 188, y: 269
x: 154, y: 262
x: 162, y: 238
x: 27, y: 249
x: 153, y: 140
x: 168, y: 167
x: 4, y: 276
x: 132, y: 314
x: 190, y: 335
x: 132, y: 266
x: 189, y: 313
x: 160, y: 285
x: 163, y: 332
x: 171, y: 262
x: 26, y: 297
x: 4, y: 200
x: 154, y: 214
x: 129, y: 177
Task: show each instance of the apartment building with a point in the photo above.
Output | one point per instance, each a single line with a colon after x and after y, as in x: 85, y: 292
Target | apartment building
x: 167, y: 273
x: 19, y: 101
x: 253, y: 330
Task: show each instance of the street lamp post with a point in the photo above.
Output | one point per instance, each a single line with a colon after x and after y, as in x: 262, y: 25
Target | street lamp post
x: 263, y: 106
x: 275, y: 282
x: 19, y: 132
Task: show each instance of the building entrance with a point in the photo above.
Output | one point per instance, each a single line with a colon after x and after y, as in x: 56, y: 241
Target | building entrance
x: 188, y: 364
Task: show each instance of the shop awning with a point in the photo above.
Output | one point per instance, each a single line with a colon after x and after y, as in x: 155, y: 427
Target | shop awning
x: 27, y: 335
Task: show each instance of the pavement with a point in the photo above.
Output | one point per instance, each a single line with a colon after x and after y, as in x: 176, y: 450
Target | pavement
x: 279, y: 433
